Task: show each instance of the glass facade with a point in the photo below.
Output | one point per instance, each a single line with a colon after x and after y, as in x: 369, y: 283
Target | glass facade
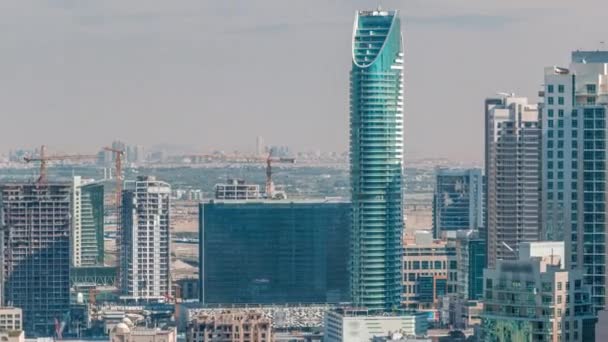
x: 376, y: 157
x: 274, y: 252
x: 91, y: 216
x: 458, y: 200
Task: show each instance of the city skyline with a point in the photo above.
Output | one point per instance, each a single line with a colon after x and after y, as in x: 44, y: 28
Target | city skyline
x: 57, y: 53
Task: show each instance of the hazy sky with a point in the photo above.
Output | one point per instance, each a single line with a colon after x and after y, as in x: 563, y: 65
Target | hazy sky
x: 75, y: 74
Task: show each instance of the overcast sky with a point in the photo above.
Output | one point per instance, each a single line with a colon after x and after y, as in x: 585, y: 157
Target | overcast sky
x: 214, y: 74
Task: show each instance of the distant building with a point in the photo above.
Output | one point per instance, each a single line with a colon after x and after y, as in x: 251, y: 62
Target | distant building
x: 87, y: 241
x: 458, y: 200
x: 274, y: 251
x: 376, y: 159
x: 11, y: 319
x: 513, y: 171
x: 125, y: 333
x: 429, y: 271
x: 145, y: 251
x: 230, y: 326
x: 237, y: 189
x: 535, y: 299
x: 356, y: 325
x: 36, y: 252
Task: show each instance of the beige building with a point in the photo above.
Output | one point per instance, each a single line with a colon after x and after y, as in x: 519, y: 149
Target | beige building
x: 535, y: 299
x: 10, y: 319
x: 122, y: 332
x: 12, y: 336
x: 230, y: 326
x: 429, y: 271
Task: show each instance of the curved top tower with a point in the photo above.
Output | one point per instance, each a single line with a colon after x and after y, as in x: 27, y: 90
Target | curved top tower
x: 376, y: 159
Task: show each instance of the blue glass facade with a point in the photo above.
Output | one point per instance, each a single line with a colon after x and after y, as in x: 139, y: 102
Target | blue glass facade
x: 274, y: 252
x: 458, y: 201
x: 376, y: 157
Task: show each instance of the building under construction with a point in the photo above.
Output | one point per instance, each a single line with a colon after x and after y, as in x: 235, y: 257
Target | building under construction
x: 36, y: 221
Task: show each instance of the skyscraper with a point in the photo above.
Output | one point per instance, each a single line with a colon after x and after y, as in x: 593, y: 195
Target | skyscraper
x: 458, y: 200
x: 145, y: 253
x: 376, y: 159
x: 36, y: 252
x: 87, y: 219
x: 574, y: 164
x: 513, y: 150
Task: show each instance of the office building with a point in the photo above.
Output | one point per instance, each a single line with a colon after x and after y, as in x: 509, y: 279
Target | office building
x: 535, y: 299
x: 36, y: 252
x: 471, y: 260
x: 513, y: 151
x: 145, y: 255
x: 457, y: 201
x: 88, y: 219
x: 376, y: 159
x: 429, y: 272
x: 274, y: 251
x: 574, y: 164
x: 237, y: 189
x: 357, y: 324
x: 230, y: 326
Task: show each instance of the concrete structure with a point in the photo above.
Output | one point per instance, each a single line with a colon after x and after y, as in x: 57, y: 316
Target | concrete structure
x: 376, y: 159
x: 11, y: 319
x: 124, y: 332
x: 458, y: 200
x: 574, y: 164
x: 535, y: 299
x: 88, y: 219
x: 601, y: 328
x: 237, y: 189
x: 36, y: 252
x: 230, y: 326
x: 274, y: 251
x: 513, y: 151
x: 429, y: 272
x: 145, y: 253
x: 356, y: 325
x: 12, y: 336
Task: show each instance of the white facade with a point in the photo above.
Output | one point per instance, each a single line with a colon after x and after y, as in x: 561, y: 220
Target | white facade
x: 357, y: 326
x: 145, y: 234
x: 11, y: 319
x: 513, y: 151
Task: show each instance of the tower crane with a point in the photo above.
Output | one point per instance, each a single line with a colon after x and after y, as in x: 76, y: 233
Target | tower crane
x: 118, y: 155
x: 44, y: 159
x: 270, y: 193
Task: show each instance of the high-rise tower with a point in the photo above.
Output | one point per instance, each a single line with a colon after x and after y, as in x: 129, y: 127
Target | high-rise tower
x: 574, y: 195
x: 376, y: 159
x: 513, y: 150
x: 145, y: 255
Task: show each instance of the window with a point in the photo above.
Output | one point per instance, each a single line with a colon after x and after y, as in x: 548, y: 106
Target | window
x: 550, y: 100
x: 550, y: 88
x: 591, y: 88
x: 560, y: 100
x: 560, y: 88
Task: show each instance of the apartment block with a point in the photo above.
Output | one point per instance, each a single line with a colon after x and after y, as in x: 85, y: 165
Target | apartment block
x: 535, y: 299
x: 230, y: 326
x: 145, y: 249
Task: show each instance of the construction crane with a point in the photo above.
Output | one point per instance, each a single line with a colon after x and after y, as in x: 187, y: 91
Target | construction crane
x: 118, y: 155
x: 44, y: 159
x: 270, y: 191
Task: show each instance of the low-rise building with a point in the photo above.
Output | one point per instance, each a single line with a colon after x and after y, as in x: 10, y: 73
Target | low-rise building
x: 11, y: 319
x: 122, y: 332
x: 230, y: 326
x: 535, y: 299
x: 358, y: 324
x: 429, y: 271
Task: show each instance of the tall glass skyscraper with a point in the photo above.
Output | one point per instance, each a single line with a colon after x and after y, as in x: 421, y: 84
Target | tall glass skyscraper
x: 376, y: 157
